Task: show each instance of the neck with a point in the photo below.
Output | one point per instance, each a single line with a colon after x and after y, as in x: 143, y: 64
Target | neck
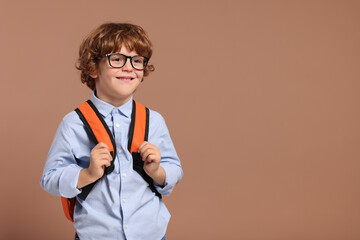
x: 116, y: 102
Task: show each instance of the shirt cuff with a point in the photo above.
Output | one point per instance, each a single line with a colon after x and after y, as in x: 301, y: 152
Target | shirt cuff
x: 68, y: 181
x: 172, y: 177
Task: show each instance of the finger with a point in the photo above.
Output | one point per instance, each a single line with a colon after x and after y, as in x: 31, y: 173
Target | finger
x: 149, y: 158
x: 106, y: 156
x: 145, y: 152
x: 152, y: 158
x: 147, y: 148
x: 106, y: 163
x: 142, y: 146
x: 99, y: 155
x: 101, y: 151
x: 101, y: 145
x: 102, y: 156
x: 104, y: 151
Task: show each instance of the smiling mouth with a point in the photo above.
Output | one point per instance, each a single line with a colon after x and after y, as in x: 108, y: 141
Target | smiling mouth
x: 126, y: 79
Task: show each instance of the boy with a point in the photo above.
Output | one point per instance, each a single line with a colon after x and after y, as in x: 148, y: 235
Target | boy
x: 113, y: 61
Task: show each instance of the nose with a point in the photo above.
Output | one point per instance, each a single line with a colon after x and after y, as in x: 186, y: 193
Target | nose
x: 127, y: 66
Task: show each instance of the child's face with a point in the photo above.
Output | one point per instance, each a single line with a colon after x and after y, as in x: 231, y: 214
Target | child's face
x: 117, y: 85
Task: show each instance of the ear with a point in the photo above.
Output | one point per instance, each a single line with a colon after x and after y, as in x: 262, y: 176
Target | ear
x: 94, y: 75
x: 94, y: 72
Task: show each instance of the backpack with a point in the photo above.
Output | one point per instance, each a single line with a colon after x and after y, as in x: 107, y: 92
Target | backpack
x: 98, y: 131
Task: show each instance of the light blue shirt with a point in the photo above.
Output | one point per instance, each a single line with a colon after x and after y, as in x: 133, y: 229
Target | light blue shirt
x: 121, y: 204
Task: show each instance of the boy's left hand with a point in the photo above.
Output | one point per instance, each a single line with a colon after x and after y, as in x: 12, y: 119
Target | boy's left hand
x: 151, y: 156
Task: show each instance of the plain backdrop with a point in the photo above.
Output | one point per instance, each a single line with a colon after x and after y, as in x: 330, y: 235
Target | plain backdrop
x: 261, y: 99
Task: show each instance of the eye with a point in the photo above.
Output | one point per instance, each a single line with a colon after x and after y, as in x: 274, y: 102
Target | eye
x: 116, y: 58
x: 139, y: 60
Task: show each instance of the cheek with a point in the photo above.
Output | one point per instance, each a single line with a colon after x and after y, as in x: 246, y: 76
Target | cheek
x: 140, y: 74
x: 108, y: 74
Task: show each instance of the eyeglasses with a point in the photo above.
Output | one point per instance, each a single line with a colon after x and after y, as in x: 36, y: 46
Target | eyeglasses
x: 118, y: 60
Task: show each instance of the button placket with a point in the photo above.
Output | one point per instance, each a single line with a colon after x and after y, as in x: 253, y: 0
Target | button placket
x: 117, y: 137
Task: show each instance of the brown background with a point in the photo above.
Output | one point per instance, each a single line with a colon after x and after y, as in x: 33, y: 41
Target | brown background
x: 261, y: 99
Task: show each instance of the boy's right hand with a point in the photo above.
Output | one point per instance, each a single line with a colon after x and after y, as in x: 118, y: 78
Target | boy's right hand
x: 100, y: 158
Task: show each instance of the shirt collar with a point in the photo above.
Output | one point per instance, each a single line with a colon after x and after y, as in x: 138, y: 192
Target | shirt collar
x: 105, y: 108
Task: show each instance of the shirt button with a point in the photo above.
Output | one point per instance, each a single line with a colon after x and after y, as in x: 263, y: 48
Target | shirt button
x: 117, y: 125
x: 125, y: 226
x: 124, y: 174
x: 119, y: 151
x: 124, y: 200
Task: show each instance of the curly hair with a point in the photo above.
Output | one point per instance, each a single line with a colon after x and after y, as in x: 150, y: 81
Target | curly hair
x: 109, y: 38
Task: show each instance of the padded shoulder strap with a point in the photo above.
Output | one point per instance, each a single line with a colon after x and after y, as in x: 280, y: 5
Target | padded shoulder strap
x: 98, y: 131
x: 139, y: 132
x: 95, y: 125
x: 139, y: 127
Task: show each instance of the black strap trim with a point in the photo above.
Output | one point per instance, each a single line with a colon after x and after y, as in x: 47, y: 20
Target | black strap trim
x: 86, y: 190
x: 88, y: 129
x: 132, y: 125
x: 147, y: 125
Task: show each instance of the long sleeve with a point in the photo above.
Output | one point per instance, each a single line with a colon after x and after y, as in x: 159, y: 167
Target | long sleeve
x: 160, y: 137
x: 61, y: 171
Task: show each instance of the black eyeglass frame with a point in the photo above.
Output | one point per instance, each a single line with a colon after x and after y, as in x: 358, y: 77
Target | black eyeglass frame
x: 126, y: 58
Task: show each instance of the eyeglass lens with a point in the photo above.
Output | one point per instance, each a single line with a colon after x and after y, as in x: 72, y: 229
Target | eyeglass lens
x: 119, y: 60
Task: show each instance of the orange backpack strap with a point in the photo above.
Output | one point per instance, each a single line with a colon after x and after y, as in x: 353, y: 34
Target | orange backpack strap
x: 139, y: 132
x: 98, y: 131
x: 97, y: 128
